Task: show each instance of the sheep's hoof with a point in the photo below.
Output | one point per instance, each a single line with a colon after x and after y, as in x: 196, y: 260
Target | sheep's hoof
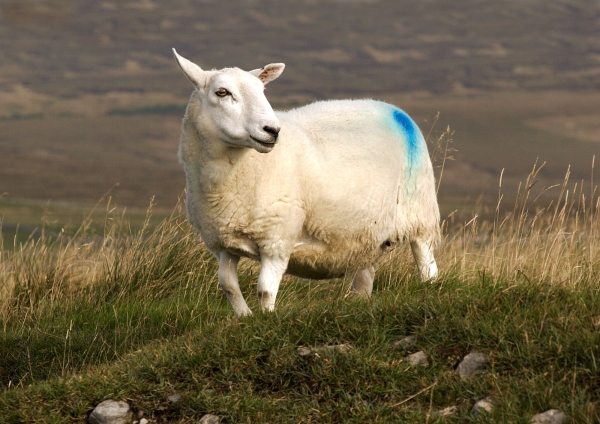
x: 360, y: 294
x: 266, y: 301
x: 242, y: 312
x: 429, y: 274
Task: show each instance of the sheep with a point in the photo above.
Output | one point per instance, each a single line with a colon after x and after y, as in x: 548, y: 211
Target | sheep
x: 318, y: 192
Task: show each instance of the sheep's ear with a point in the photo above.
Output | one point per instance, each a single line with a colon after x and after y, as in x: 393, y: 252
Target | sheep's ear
x: 269, y: 72
x: 194, y: 73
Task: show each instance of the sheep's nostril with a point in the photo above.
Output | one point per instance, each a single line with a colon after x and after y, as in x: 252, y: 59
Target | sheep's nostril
x: 273, y: 131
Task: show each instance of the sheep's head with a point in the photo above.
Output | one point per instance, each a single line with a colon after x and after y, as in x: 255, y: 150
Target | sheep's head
x: 234, y: 106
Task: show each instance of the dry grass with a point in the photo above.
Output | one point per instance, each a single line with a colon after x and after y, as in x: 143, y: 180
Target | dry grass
x: 50, y: 270
x: 555, y: 242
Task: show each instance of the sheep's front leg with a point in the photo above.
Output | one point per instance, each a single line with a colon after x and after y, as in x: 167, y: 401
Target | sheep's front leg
x: 362, y: 284
x: 228, y: 281
x: 423, y: 253
x: 271, y: 272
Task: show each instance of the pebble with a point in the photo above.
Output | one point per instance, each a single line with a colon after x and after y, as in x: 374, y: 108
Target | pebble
x: 470, y: 364
x: 552, y: 416
x: 444, y: 412
x: 418, y: 359
x: 174, y: 398
x: 111, y: 412
x: 209, y: 419
x: 306, y: 351
x: 483, y: 405
x: 405, y: 342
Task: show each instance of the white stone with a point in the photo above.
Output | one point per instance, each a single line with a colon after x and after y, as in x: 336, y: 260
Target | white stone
x: 483, y: 405
x: 552, y: 416
x: 175, y: 398
x: 470, y: 364
x: 405, y: 342
x: 444, y: 412
x: 209, y: 419
x: 418, y: 359
x: 143, y: 421
x: 111, y: 412
x: 306, y: 351
x: 341, y: 348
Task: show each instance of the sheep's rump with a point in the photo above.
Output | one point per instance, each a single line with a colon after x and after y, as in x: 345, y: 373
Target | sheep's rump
x: 367, y: 184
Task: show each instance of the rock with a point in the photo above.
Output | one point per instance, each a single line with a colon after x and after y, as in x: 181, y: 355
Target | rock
x: 143, y: 421
x: 470, y: 364
x: 209, y: 419
x: 306, y: 351
x: 418, y: 359
x: 341, y: 348
x: 111, y: 412
x: 174, y: 398
x: 483, y: 405
x: 444, y: 412
x: 405, y: 342
x: 552, y: 416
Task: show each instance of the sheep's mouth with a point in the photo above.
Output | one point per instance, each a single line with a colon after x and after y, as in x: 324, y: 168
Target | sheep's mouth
x: 264, y: 144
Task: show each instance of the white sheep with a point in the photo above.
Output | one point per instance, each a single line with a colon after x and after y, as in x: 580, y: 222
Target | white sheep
x: 318, y: 192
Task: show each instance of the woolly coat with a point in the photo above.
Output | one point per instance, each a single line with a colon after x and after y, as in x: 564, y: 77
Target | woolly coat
x: 346, y: 181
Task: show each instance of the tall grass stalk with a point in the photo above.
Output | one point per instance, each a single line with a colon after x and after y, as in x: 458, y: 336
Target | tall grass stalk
x: 552, y: 243
x: 46, y: 271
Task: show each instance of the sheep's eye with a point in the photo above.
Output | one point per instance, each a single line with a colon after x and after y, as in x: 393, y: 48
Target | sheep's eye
x: 221, y: 92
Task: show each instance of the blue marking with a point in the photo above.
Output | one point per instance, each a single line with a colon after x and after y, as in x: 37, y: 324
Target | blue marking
x: 409, y: 132
x: 412, y: 134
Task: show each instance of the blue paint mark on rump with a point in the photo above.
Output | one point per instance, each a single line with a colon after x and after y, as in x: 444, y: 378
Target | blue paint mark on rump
x: 412, y: 134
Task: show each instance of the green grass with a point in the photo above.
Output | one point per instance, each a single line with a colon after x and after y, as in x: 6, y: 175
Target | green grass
x: 542, y: 341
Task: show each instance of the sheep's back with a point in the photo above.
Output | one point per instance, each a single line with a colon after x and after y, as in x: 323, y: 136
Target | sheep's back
x: 367, y: 180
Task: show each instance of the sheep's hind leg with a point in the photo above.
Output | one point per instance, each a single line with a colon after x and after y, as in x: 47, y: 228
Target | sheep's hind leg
x: 423, y: 253
x: 362, y: 284
x: 228, y: 281
x: 271, y: 272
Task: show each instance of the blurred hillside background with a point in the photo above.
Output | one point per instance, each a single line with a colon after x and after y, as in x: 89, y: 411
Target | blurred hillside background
x: 91, y: 98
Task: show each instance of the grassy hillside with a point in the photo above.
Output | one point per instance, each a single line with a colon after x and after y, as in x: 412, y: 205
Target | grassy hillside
x: 138, y: 316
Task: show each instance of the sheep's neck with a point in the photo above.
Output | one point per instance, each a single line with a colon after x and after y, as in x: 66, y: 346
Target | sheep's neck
x: 217, y: 163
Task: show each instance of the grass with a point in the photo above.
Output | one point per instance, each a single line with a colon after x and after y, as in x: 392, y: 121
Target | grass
x: 541, y: 341
x: 137, y: 315
x: 25, y: 220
